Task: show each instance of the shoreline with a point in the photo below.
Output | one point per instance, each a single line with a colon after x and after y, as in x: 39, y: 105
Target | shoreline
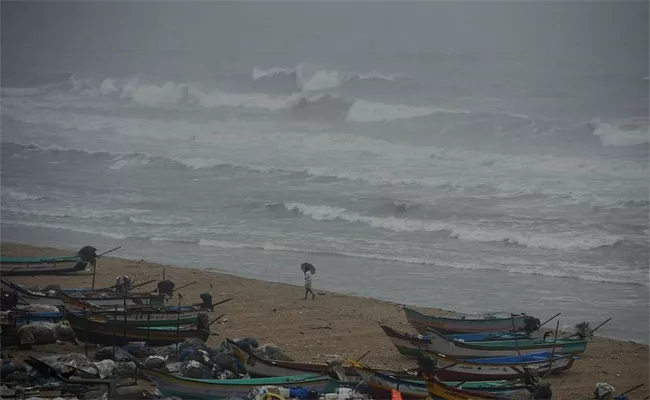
x: 334, y: 323
x: 441, y: 287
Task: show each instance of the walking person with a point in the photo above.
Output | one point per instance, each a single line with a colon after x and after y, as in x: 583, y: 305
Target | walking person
x: 309, y: 270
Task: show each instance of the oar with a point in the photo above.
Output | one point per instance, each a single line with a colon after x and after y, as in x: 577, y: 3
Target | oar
x: 549, y: 320
x: 598, y: 327
x: 216, y: 319
x: 629, y: 390
x: 109, y: 251
x: 184, y: 286
x: 222, y: 301
x: 362, y: 356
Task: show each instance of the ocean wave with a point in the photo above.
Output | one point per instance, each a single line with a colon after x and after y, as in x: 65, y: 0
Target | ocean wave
x: 366, y: 111
x: 172, y: 94
x: 308, y: 98
x: 309, y: 101
x: 19, y: 195
x: 129, y: 160
x: 350, y: 143
x: 75, y: 213
x: 308, y: 78
x: 323, y: 106
x: 75, y: 228
x: 603, y: 276
x: 222, y: 244
x: 159, y: 221
x: 620, y: 136
x: 468, y: 232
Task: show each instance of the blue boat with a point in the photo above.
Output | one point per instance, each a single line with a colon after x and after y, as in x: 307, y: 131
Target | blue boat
x: 477, y: 337
x: 488, y: 336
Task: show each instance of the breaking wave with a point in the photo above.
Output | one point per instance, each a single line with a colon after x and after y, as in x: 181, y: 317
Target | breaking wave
x: 477, y: 189
x: 366, y: 111
x: 270, y: 246
x: 558, y: 241
x: 19, y: 195
x: 305, y: 104
x: 620, y: 136
x: 101, y: 231
x: 308, y: 78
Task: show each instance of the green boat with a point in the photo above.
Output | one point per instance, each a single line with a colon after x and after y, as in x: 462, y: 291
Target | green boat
x: 438, y: 343
x: 442, y: 344
x: 16, y: 266
x: 212, y: 389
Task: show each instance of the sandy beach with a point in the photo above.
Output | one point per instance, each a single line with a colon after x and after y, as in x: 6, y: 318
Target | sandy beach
x: 313, y: 331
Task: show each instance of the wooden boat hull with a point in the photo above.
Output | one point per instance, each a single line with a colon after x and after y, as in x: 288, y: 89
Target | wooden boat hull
x: 382, y: 385
x: 441, y: 390
x: 209, y: 389
x: 46, y: 266
x: 143, y: 319
x: 465, y: 324
x: 29, y: 297
x: 413, y: 347
x: 488, y: 336
x: 498, y: 368
x: 108, y: 334
x: 264, y: 368
x: 406, y: 345
x: 443, y: 345
x: 112, y: 301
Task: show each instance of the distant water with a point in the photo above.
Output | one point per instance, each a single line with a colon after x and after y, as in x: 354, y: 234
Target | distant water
x: 469, y: 156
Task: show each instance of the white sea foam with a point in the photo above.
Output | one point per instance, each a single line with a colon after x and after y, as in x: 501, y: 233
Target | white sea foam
x: 159, y: 221
x: 467, y: 232
x: 597, y: 276
x: 19, y: 195
x: 366, y: 111
x: 611, y: 135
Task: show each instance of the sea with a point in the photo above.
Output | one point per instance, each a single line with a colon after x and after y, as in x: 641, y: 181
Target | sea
x: 465, y: 155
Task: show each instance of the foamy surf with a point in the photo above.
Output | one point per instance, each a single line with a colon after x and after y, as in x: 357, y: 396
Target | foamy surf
x: 19, y: 195
x: 610, y: 135
x: 466, y: 232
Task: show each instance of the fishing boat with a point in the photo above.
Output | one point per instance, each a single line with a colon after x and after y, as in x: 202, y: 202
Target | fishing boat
x: 411, y: 346
x: 487, y: 336
x: 464, y: 323
x: 407, y: 344
x: 19, y: 266
x: 130, y: 318
x: 108, y: 332
x: 439, y: 343
x: 257, y: 366
x: 382, y: 384
x: 498, y: 368
x: 99, y: 299
x: 476, y: 337
x: 115, y: 300
x: 443, y: 390
x: 211, y: 389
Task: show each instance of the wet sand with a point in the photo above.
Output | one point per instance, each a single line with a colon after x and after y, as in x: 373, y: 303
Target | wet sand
x: 333, y: 324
